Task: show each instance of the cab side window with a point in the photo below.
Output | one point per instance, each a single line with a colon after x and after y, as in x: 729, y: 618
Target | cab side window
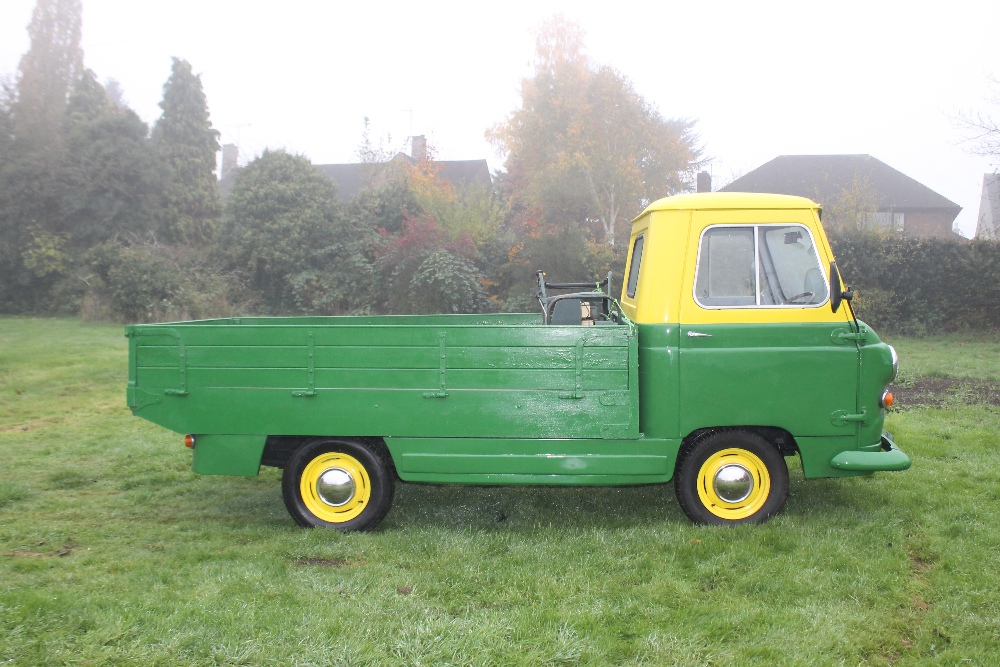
x: 633, y: 272
x: 759, y: 266
x: 726, y: 267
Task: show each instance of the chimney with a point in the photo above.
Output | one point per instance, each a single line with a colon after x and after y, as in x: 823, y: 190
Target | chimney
x: 230, y: 156
x: 704, y: 181
x: 418, y: 147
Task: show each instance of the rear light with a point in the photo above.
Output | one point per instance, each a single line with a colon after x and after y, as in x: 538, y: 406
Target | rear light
x: 189, y: 441
x: 887, y: 399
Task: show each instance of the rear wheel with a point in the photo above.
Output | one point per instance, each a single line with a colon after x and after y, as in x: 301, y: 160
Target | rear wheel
x: 342, y: 484
x: 729, y: 477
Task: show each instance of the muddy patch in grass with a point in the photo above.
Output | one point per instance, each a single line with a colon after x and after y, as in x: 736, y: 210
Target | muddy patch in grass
x: 67, y: 549
x: 937, y: 391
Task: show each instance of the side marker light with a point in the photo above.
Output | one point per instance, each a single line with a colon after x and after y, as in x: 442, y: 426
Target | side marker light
x: 887, y: 399
x: 189, y: 441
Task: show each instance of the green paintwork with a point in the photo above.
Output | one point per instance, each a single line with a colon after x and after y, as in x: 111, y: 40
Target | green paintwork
x: 874, y: 458
x: 438, y: 377
x: 659, y: 380
x: 875, y: 374
x: 818, y: 453
x: 802, y: 378
x: 228, y: 454
x: 503, y: 399
x: 790, y: 376
x: 492, y: 461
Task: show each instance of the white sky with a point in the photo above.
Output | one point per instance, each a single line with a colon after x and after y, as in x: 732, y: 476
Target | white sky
x: 762, y: 78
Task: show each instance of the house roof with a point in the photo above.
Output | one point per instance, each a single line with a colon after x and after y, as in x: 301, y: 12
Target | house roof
x: 351, y: 177
x: 463, y: 174
x: 824, y: 177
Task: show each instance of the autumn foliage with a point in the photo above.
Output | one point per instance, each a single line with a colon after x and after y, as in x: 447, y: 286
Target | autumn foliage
x: 585, y: 147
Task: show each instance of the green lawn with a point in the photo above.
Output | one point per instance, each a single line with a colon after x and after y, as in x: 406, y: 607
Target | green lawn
x: 113, y: 552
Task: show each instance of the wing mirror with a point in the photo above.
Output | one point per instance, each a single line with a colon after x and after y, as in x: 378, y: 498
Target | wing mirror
x: 836, y: 295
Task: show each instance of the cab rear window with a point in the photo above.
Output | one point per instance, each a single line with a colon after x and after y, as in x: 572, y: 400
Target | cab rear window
x: 754, y: 266
x: 633, y: 272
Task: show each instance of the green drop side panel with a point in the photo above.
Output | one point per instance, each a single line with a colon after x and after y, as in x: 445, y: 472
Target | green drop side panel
x: 500, y: 376
x: 572, y: 461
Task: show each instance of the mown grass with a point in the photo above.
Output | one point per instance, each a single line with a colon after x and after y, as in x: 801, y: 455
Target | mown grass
x: 113, y: 552
x: 965, y: 356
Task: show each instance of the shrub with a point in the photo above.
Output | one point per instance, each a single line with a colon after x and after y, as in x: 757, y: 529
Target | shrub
x: 919, y: 286
x: 447, y: 283
x: 286, y: 231
x: 148, y: 282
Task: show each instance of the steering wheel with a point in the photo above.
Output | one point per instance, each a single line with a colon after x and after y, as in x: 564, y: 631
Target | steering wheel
x: 795, y: 299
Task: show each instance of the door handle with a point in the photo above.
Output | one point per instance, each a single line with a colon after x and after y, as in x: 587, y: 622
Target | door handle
x: 698, y: 334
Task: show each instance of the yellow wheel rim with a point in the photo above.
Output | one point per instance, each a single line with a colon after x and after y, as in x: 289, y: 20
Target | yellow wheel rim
x: 733, y: 484
x: 335, y: 487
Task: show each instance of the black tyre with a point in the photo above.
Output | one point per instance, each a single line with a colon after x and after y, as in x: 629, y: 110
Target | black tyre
x: 731, y: 476
x: 338, y: 483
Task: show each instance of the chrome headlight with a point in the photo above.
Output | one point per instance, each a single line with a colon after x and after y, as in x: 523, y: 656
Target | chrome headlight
x: 895, y: 362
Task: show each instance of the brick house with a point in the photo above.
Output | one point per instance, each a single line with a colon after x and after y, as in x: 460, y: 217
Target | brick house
x: 891, y: 198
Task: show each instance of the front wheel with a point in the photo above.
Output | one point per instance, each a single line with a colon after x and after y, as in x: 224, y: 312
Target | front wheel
x: 729, y: 477
x: 342, y: 484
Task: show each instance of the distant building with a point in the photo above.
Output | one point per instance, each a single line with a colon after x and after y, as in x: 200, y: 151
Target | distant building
x: 988, y: 224
x: 898, y: 201
x: 352, y: 178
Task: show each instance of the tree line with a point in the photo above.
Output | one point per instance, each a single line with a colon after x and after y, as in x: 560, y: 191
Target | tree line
x: 105, y: 216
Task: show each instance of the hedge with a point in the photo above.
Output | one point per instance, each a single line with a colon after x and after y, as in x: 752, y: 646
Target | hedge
x: 920, y: 286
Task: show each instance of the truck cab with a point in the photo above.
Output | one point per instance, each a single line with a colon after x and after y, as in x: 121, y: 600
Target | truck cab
x: 748, y: 348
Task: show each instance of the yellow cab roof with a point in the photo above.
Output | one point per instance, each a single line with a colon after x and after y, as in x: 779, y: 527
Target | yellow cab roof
x: 727, y: 200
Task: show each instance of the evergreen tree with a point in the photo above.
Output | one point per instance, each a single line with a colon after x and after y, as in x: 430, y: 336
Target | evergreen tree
x: 286, y: 232
x: 10, y: 241
x: 7, y: 96
x: 33, y: 250
x: 48, y: 70
x: 109, y: 178
x: 187, y: 145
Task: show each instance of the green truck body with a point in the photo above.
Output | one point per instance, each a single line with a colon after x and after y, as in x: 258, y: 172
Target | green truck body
x: 348, y: 405
x: 444, y: 391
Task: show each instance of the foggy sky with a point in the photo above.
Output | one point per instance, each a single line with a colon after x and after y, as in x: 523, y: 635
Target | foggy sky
x: 762, y: 79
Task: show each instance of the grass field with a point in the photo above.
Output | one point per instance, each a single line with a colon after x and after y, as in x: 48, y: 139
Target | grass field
x: 113, y: 552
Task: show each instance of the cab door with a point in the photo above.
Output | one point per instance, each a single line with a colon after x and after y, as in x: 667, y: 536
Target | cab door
x: 759, y: 342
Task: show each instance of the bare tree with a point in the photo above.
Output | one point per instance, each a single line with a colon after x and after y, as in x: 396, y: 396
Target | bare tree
x: 983, y: 129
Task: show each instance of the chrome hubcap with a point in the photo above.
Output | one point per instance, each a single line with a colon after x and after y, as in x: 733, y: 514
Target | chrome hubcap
x: 335, y: 487
x: 733, y: 483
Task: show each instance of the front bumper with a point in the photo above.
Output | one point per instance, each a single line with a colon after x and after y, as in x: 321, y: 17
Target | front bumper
x: 883, y: 456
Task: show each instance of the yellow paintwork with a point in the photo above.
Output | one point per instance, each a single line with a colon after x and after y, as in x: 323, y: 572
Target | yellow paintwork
x: 746, y: 507
x: 657, y: 296
x: 673, y: 226
x: 310, y: 494
x: 707, y: 201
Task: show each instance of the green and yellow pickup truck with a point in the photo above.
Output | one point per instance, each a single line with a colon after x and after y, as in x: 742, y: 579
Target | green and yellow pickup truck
x: 732, y: 346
